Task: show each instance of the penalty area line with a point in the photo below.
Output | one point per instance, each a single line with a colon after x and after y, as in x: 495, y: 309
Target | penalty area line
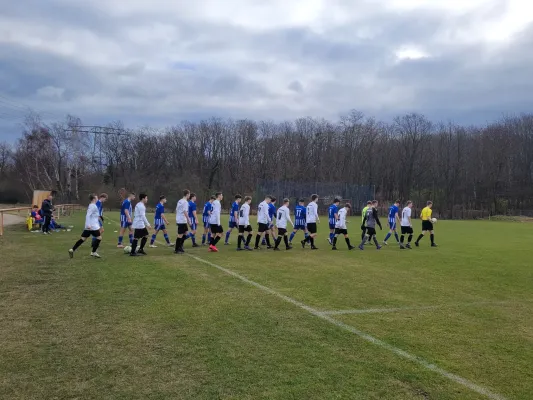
x: 365, y: 336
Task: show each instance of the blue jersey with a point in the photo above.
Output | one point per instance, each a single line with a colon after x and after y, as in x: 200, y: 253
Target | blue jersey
x: 126, y: 205
x: 300, y: 215
x: 271, y: 211
x: 208, y: 207
x: 192, y: 209
x: 159, y: 211
x: 100, y: 207
x: 393, y: 210
x: 234, y: 209
x: 333, y: 209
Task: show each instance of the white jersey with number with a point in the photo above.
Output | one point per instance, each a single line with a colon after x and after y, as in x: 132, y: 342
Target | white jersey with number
x: 91, y: 220
x: 244, y: 215
x: 262, y: 213
x: 214, y: 217
x: 312, y: 212
x: 282, y: 217
x: 406, y: 214
x: 341, y: 222
x: 139, y: 217
x: 181, y: 210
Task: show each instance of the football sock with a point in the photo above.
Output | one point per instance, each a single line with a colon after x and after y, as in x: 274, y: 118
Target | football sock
x: 396, y: 237
x: 227, y: 236
x: 203, y: 238
x: 239, y: 241
x: 248, y: 239
x: 432, y: 237
x: 331, y: 236
x: 286, y: 240
x: 375, y: 240
x: 334, y: 241
x: 277, y: 242
x: 348, y: 242
x: 267, y: 239
x: 292, y: 236
x: 166, y: 238
x: 409, y: 238
x: 217, y: 238
x: 133, y: 246
x: 177, y: 245
x: 388, y: 236
x: 120, y: 239
x: 153, y: 238
x: 402, y: 238
x: 306, y: 235
x: 78, y: 244
x: 143, y: 243
x: 419, y: 237
x: 96, y: 243
x: 131, y: 238
x: 312, y: 241
x: 257, y: 240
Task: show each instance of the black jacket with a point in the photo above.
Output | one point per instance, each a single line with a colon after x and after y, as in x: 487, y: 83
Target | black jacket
x: 47, y: 208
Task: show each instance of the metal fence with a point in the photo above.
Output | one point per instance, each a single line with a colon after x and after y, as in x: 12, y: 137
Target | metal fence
x: 356, y: 195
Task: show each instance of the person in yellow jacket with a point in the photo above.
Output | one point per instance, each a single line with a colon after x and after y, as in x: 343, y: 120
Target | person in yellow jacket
x: 427, y: 225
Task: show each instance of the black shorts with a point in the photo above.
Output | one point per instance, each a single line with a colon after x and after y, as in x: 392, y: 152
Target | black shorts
x: 370, y: 231
x: 245, y: 228
x: 216, y: 229
x: 86, y: 233
x: 282, y: 231
x: 262, y: 228
x: 407, y: 230
x: 140, y: 233
x: 311, y: 228
x: 182, y: 228
x: 427, y: 225
x: 340, y: 231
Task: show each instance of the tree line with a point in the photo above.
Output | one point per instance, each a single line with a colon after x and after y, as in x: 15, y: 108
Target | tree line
x: 486, y: 167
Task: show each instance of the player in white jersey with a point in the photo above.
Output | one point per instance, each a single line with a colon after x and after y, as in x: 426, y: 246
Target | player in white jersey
x: 214, y: 222
x: 312, y: 219
x: 244, y: 225
x: 263, y: 221
x: 407, y: 226
x: 182, y: 221
x: 92, y: 228
x: 340, y: 227
x: 283, y: 215
x: 140, y: 226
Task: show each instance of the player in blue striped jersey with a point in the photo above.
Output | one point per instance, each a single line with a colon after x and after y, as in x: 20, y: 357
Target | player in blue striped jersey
x: 194, y: 220
x: 300, y: 223
x: 100, y: 206
x: 160, y: 222
x: 332, y: 219
x: 126, y: 219
x: 208, y: 207
x: 233, y: 217
x: 393, y: 219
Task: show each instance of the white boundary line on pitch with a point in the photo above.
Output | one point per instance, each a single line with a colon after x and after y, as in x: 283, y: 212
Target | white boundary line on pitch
x: 365, y: 336
x: 410, y: 308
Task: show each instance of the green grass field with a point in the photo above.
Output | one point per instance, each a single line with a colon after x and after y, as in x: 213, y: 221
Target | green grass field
x: 454, y: 322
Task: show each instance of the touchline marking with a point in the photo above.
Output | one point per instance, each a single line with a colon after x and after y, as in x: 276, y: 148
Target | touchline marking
x: 427, y: 365
x: 397, y: 309
x: 365, y: 336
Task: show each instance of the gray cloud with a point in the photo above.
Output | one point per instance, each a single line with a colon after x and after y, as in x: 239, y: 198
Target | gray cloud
x: 161, y: 63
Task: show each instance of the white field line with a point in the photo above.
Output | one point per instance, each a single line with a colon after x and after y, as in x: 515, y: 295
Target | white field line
x: 409, y: 308
x: 420, y: 361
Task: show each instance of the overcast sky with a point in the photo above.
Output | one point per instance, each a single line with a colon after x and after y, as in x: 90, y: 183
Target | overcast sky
x: 157, y: 62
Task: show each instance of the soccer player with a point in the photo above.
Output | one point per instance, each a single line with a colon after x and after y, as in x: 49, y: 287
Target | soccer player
x: 407, y: 226
x: 160, y: 222
x: 340, y: 227
x: 126, y: 219
x: 332, y: 216
x: 47, y: 209
x: 182, y: 221
x: 393, y: 218
x: 208, y: 207
x: 311, y: 220
x: 427, y: 225
x: 299, y: 220
x: 263, y: 221
x: 370, y: 221
x: 244, y: 225
x: 193, y: 218
x: 140, y: 225
x: 233, y: 217
x: 214, y: 222
x: 363, y: 214
x: 271, y: 225
x: 92, y: 228
x: 100, y: 205
x: 282, y: 216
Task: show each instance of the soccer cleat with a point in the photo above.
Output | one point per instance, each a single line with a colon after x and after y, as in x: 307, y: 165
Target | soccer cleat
x: 120, y: 246
x: 170, y: 245
x: 434, y: 245
x: 257, y: 248
x: 361, y: 247
x: 276, y: 249
x: 142, y: 253
x: 314, y: 248
x: 270, y: 247
x: 227, y: 243
x: 213, y: 249
x: 416, y: 244
x: 248, y: 248
x: 239, y: 249
x: 95, y: 254
x: 195, y: 245
x: 351, y: 247
x: 303, y: 244
x: 289, y: 248
x: 378, y: 248
x: 334, y: 248
x: 71, y: 253
x: 134, y: 255
x: 408, y: 246
x: 153, y: 246
x: 402, y: 247
x: 385, y: 243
